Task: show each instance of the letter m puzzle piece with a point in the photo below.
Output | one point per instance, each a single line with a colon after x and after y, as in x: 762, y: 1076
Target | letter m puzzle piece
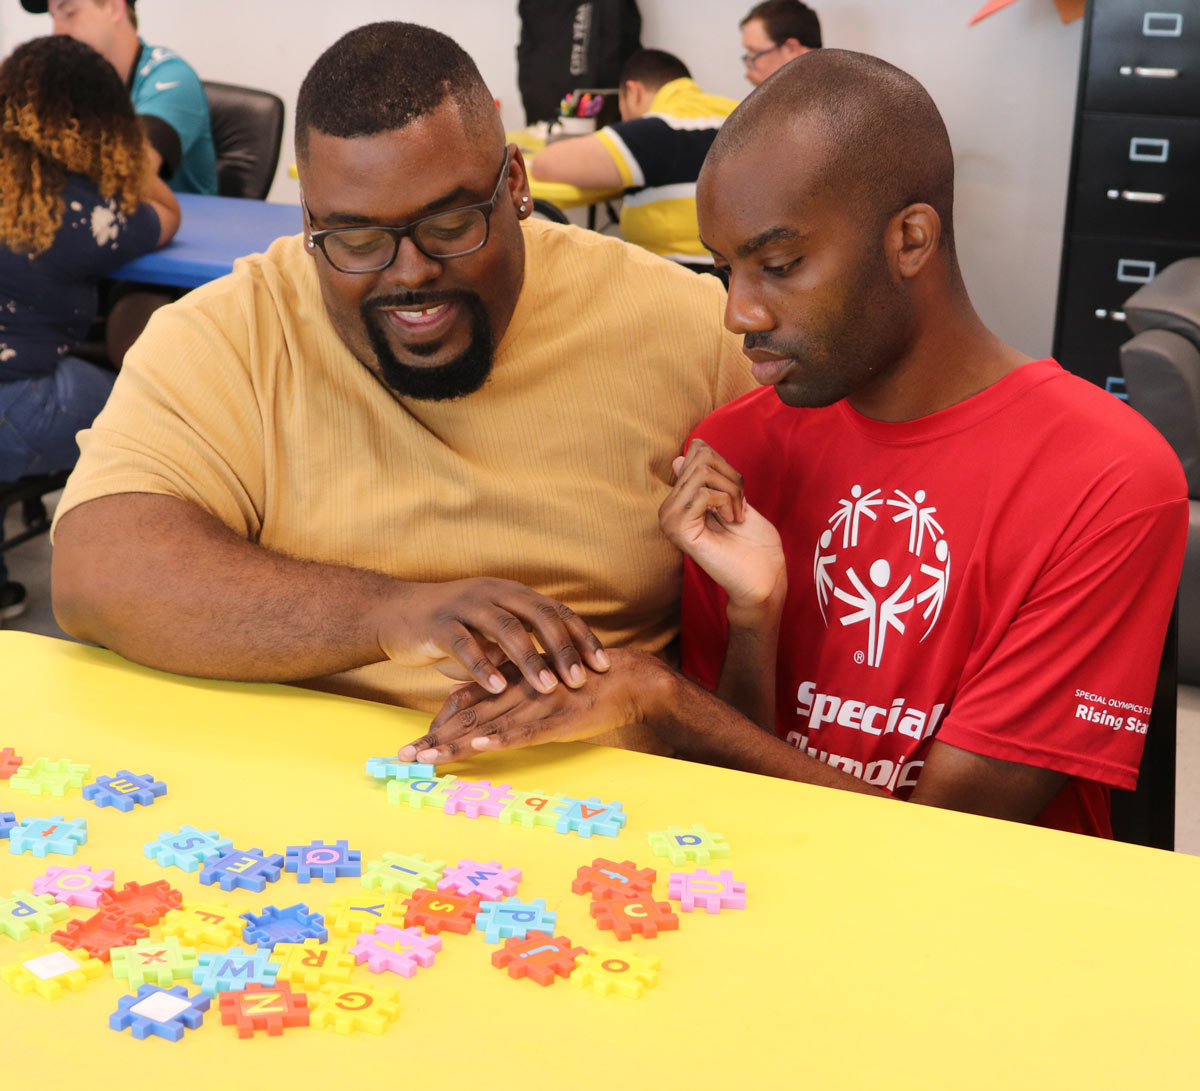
x: 325, y: 862
x: 263, y: 1007
x: 680, y: 844
x: 124, y: 790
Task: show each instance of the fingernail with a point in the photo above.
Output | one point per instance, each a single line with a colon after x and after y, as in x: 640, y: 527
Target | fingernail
x: 577, y: 675
x: 406, y: 753
x: 548, y: 680
x: 602, y: 660
x: 496, y: 683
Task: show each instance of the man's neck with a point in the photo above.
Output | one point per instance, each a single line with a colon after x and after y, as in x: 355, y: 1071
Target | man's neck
x: 124, y: 54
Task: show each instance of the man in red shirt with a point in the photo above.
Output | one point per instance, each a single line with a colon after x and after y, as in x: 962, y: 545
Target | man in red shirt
x: 929, y: 566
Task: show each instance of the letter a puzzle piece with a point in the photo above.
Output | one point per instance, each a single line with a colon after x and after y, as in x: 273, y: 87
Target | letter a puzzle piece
x: 228, y: 971
x: 157, y: 962
x: 439, y: 911
x: 625, y: 915
x: 475, y: 798
x: 608, y: 972
x: 680, y: 844
x: 490, y: 881
x: 347, y: 1008
x: 311, y: 964
x: 188, y: 848
x: 295, y: 924
x: 52, y: 972
x: 398, y: 871
x: 215, y: 923
x: 99, y: 934
x: 10, y: 762
x: 532, y: 809
x: 262, y: 1007
x: 420, y: 791
x: 40, y: 836
x: 361, y: 912
x: 46, y: 777
x: 325, y: 862
x: 74, y: 885
x: 124, y: 791
x: 163, y: 1012
x: 503, y: 920
x: 538, y: 957
x: 142, y: 903
x: 606, y: 878
x: 24, y: 911
x: 705, y: 890
x: 387, y: 768
x: 398, y: 950
x: 251, y: 870
x: 588, y: 816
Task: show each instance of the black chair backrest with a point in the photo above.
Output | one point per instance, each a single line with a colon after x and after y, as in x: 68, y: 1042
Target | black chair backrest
x: 247, y: 130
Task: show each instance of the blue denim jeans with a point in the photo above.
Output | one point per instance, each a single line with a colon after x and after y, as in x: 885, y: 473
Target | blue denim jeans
x: 39, y: 419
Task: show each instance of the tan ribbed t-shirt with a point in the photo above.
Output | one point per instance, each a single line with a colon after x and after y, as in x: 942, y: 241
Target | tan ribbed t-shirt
x: 242, y: 399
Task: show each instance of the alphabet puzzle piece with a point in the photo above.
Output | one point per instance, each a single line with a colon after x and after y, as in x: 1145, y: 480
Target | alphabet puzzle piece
x: 398, y: 950
x: 124, y: 790
x: 624, y: 915
x: 215, y: 923
x: 386, y: 768
x: 46, y: 777
x: 157, y: 962
x: 228, y: 971
x: 361, y: 912
x: 99, y: 934
x: 142, y: 903
x: 608, y: 972
x: 188, y: 848
x: 513, y: 917
x: 74, y: 885
x: 158, y: 1011
x: 404, y: 872
x: 476, y: 798
x: 531, y: 809
x: 10, y: 762
x: 347, y: 1008
x: 312, y: 964
x: 420, y: 791
x: 41, y: 836
x: 251, y: 870
x: 26, y: 911
x: 590, y: 816
x: 8, y: 822
x: 489, y: 880
x: 538, y: 957
x: 440, y: 911
x: 52, y: 972
x: 325, y: 862
x: 295, y: 924
x: 262, y: 1007
x: 604, y: 878
x: 705, y: 890
x: 679, y: 844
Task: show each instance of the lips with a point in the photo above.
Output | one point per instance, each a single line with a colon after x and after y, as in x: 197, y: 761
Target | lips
x: 421, y: 322
x: 769, y: 371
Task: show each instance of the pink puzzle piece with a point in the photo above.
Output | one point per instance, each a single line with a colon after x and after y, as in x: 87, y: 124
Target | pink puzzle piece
x: 475, y: 798
x: 75, y: 885
x: 400, y: 950
x: 701, y: 889
x: 490, y: 881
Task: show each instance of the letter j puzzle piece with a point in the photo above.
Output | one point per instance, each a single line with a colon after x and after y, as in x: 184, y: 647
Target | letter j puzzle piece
x: 538, y: 957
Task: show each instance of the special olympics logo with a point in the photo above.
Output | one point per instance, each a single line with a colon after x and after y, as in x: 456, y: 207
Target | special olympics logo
x: 863, y: 561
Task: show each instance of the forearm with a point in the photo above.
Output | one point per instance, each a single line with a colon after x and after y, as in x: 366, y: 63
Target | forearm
x: 747, y: 681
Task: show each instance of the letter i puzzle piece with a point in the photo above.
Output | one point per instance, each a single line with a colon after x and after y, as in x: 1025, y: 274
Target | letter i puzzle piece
x: 404, y: 872
x: 680, y: 844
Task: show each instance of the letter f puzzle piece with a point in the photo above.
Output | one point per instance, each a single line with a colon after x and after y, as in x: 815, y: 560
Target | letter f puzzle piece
x: 604, y: 878
x: 163, y: 1012
x: 40, y: 836
x: 217, y: 923
x: 680, y: 844
x: 607, y: 972
x: 325, y: 862
x: 124, y: 790
x: 263, y: 1007
x: 704, y: 890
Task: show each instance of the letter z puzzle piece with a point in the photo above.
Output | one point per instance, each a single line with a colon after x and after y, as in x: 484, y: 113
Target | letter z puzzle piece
x: 228, y: 971
x: 10, y: 762
x: 124, y: 791
x: 538, y: 957
x: 475, y: 798
x: 398, y: 950
x: 387, y: 768
x: 625, y: 915
x: 604, y: 878
x: 503, y: 920
x: 347, y: 1008
x: 398, y: 871
x: 163, y: 1012
x: 188, y: 848
x: 74, y: 885
x: 262, y: 1007
x: 532, y: 809
x: 608, y: 972
x: 439, y: 911
x: 311, y: 964
x: 295, y: 924
x: 680, y: 844
x: 157, y: 962
x: 215, y: 923
x: 142, y: 903
x: 705, y: 890
x: 99, y: 934
x: 361, y: 912
x: 25, y: 911
x: 489, y: 881
x: 46, y: 777
x: 251, y: 870
x: 325, y: 862
x: 40, y: 836
x: 588, y: 816
x: 51, y: 972
x: 420, y: 791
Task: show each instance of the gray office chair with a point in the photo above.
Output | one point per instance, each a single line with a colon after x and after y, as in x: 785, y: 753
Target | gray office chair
x: 247, y: 130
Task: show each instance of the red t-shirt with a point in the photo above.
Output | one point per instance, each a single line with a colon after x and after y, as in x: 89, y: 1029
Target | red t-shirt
x: 998, y: 575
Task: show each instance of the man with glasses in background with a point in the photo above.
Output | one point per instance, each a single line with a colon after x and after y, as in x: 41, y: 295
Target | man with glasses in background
x: 422, y: 435
x: 775, y: 32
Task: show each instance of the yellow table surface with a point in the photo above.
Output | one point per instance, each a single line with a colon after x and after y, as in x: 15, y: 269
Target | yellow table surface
x: 884, y: 945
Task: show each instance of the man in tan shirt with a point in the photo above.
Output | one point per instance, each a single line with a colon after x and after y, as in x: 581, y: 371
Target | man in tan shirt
x: 407, y: 439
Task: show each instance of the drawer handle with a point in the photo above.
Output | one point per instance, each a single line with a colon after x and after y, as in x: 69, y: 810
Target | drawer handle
x: 1136, y: 196
x: 1150, y: 73
x: 1162, y: 24
x: 1116, y: 316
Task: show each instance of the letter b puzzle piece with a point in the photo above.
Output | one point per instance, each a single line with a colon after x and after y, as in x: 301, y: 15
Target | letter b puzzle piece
x: 606, y: 972
x: 263, y: 1007
x: 489, y: 881
x: 251, y: 870
x: 705, y: 890
x: 399, y: 950
x: 51, y: 971
x: 157, y: 962
x: 312, y: 964
x: 538, y: 957
x: 625, y: 915
x: 325, y: 862
x: 680, y: 844
x: 23, y: 912
x: 439, y: 911
x: 347, y: 1008
x: 532, y: 809
x: 403, y: 872
x: 124, y: 791
x: 604, y: 878
x: 588, y: 816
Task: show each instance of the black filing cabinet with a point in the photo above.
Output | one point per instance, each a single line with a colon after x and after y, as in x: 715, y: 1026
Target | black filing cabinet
x: 1133, y: 205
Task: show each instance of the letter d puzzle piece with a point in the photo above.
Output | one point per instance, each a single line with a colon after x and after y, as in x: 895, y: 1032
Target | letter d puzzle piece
x: 700, y: 889
x: 124, y: 791
x: 625, y: 915
x: 607, y: 972
x: 420, y: 791
x: 164, y: 1012
x: 538, y: 957
x: 347, y: 1008
x: 262, y: 1007
x: 51, y: 972
x: 680, y: 844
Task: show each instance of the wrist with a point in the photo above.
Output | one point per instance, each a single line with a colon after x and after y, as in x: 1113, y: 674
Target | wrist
x: 758, y: 613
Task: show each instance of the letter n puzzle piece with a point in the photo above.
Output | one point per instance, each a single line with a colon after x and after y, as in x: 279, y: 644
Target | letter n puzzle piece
x: 625, y: 915
x: 157, y: 962
x: 704, y: 890
x: 325, y: 862
x: 680, y: 844
x: 99, y: 934
x: 312, y: 964
x: 538, y: 957
x: 489, y: 881
x: 51, y: 971
x: 440, y: 911
x: 588, y: 816
x: 398, y: 871
x: 23, y: 912
x: 251, y: 870
x: 347, y: 1008
x: 46, y: 777
x: 398, y: 950
x: 606, y: 972
x: 188, y: 848
x: 295, y: 924
x: 419, y: 791
x: 40, y: 836
x: 228, y: 971
x: 215, y: 923
x: 10, y: 762
x: 142, y: 903
x: 74, y: 885
x: 532, y: 809
x: 163, y: 1012
x: 361, y: 912
x: 475, y: 798
x: 263, y: 1007
x: 604, y: 878
x: 124, y: 791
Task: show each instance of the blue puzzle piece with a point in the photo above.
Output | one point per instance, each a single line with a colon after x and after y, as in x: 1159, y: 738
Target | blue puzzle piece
x: 251, y: 869
x: 588, y: 816
x: 513, y: 917
x: 8, y: 821
x: 159, y: 1011
x: 388, y: 768
x: 43, y: 835
x: 227, y: 971
x: 124, y: 790
x: 325, y: 862
x: 295, y: 924
x: 188, y: 848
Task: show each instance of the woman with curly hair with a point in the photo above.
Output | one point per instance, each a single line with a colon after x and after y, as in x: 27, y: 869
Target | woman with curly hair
x: 78, y: 197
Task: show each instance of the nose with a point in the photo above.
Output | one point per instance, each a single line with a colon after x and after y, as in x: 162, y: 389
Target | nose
x: 412, y: 269
x: 744, y: 311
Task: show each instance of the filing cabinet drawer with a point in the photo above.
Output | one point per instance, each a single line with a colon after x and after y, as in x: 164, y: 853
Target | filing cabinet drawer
x: 1138, y: 177
x: 1144, y: 57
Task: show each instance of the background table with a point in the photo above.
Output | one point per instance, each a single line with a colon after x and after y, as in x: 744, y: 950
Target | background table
x: 884, y: 945
x: 213, y: 233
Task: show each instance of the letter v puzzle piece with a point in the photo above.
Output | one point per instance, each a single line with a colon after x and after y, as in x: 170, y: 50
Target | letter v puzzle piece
x: 251, y: 869
x: 704, y: 890
x: 188, y: 848
x: 124, y: 790
x: 261, y: 1007
x: 680, y: 844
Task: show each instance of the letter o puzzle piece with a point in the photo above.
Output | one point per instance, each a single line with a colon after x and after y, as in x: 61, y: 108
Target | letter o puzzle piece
x: 52, y: 972
x: 634, y: 913
x: 264, y: 1007
x: 608, y: 972
x: 74, y: 885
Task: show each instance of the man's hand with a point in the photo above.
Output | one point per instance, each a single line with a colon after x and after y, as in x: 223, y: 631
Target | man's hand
x: 466, y: 627
x: 707, y: 517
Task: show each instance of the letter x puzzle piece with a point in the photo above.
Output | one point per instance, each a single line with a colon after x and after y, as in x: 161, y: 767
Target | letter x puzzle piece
x: 100, y: 933
x: 124, y: 790
x: 420, y: 791
x: 228, y: 971
x: 188, y: 848
x: 295, y: 924
x: 312, y: 964
x: 604, y: 878
x: 503, y: 920
x: 51, y: 972
x: 142, y: 903
x: 477, y: 797
x: 163, y: 1012
x: 440, y: 911
x: 387, y: 768
x: 216, y: 923
x: 680, y: 844
x: 626, y: 914
x: 588, y: 816
x: 251, y: 869
x: 8, y: 822
x: 325, y: 862
x: 347, y: 1008
x: 360, y: 912
x: 398, y: 950
x: 46, y: 777
x: 10, y: 762
x: 40, y: 836
x: 705, y: 890
x: 74, y: 885
x: 491, y: 881
x: 532, y: 809
x: 262, y: 1007
x: 538, y: 957
x: 608, y: 972
x: 398, y: 871
x: 26, y: 911
x: 157, y: 962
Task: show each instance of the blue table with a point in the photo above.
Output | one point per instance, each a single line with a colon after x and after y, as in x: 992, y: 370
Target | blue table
x: 213, y: 233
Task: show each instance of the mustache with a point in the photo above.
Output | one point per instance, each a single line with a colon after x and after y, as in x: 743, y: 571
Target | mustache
x: 754, y: 340
x: 416, y: 299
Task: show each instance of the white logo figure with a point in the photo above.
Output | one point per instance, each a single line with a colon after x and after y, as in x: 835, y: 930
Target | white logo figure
x: 921, y: 519
x: 850, y: 511
x: 879, y: 616
x: 159, y: 85
x: 822, y: 580
x: 935, y: 593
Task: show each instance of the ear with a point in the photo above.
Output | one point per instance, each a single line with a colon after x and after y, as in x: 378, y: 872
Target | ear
x: 518, y: 184
x: 791, y: 49
x: 913, y: 236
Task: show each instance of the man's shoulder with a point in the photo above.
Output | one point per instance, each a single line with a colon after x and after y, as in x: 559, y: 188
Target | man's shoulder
x: 750, y: 420
x: 162, y: 69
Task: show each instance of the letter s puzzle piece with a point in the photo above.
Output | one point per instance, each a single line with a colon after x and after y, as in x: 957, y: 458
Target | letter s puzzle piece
x: 440, y: 911
x: 188, y: 848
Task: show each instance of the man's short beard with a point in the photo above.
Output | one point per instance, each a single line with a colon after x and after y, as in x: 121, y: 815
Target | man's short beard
x: 454, y: 379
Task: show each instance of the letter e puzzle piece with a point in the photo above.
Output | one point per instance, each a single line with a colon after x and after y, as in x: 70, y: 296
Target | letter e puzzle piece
x: 295, y: 924
x: 228, y: 971
x: 74, y: 885
x: 24, y: 911
x: 40, y: 836
x: 705, y: 890
x: 361, y: 912
x: 420, y: 791
x: 347, y: 1008
x: 142, y: 903
x: 46, y: 777
x: 538, y: 957
x: 402, y: 872
x: 325, y: 862
x: 158, y: 1011
x: 589, y: 816
x: 680, y: 844
x: 124, y: 791
x: 398, y: 950
x: 440, y: 911
x: 503, y: 920
x: 608, y: 972
x: 188, y: 848
x: 52, y: 972
x: 625, y: 915
x: 251, y: 870
x: 490, y: 881
x: 262, y: 1007
x: 215, y: 923
x: 99, y: 934
x: 531, y: 809
x: 476, y: 798
x: 157, y: 962
x: 604, y: 878
x: 312, y: 964
x: 10, y: 762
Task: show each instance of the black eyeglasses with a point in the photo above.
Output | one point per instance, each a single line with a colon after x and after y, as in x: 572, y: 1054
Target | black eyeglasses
x: 750, y: 59
x: 451, y: 234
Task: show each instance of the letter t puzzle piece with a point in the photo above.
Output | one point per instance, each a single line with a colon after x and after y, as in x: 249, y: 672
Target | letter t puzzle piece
x: 705, y: 890
x: 680, y: 844
x: 124, y: 790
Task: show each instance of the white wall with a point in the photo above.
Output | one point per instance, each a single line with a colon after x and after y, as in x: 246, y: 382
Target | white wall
x: 1006, y: 87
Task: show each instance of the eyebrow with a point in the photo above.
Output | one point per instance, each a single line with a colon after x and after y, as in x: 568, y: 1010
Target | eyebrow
x: 456, y: 196
x: 769, y: 237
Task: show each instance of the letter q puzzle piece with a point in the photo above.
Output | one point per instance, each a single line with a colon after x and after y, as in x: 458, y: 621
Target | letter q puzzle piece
x: 608, y: 972
x: 704, y: 890
x: 251, y: 870
x: 680, y: 844
x: 347, y: 1008
x: 51, y: 972
x: 625, y: 915
x: 41, y: 836
x: 124, y: 791
x: 325, y: 862
x: 187, y: 848
x: 46, y: 777
x: 489, y: 880
x: 74, y: 885
x: 398, y: 950
x: 262, y: 1007
x: 538, y: 957
x: 163, y: 1012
